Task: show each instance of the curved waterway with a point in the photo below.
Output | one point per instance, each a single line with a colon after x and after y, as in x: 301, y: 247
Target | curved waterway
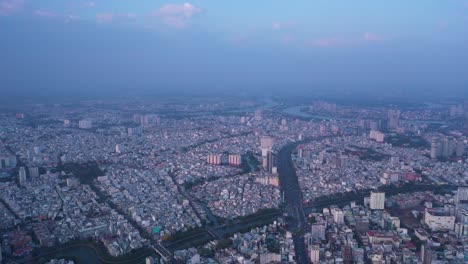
x: 293, y: 199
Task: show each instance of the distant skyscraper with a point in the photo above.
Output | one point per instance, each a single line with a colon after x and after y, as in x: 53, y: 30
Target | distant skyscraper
x: 258, y: 115
x: 300, y: 149
x: 135, y: 131
x: 33, y: 172
x: 393, y: 119
x: 377, y: 200
x: 22, y: 175
x: 445, y: 147
x: 8, y: 162
x: 462, y: 195
x: 213, y: 159
x: 85, y: 124
x: 271, y: 161
x: 434, y: 148
x: 315, y: 254
x: 118, y: 148
x: 318, y: 231
x: 66, y: 123
x: 338, y: 216
x: 460, y: 149
x: 377, y: 136
x: 234, y: 160
x: 266, y: 142
x: 358, y: 254
x: 427, y: 254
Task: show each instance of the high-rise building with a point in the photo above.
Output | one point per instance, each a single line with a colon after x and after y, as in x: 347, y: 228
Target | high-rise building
x: 377, y: 136
x: 271, y: 161
x: 346, y: 253
x: 393, y: 119
x: 300, y: 149
x: 66, y: 123
x: 266, y: 142
x: 8, y: 162
x: 118, y: 148
x: 461, y: 229
x: 427, y: 254
x: 258, y: 115
x: 462, y: 195
x: 362, y: 224
x: 22, y: 175
x: 434, y: 148
x: 315, y: 254
x: 318, y: 231
x: 213, y: 159
x: 338, y: 215
x: 146, y: 119
x: 358, y: 254
x: 374, y: 125
x: 460, y: 149
x: 85, y: 124
x: 135, y: 131
x: 234, y: 160
x: 377, y: 200
x: 439, y: 220
x: 33, y: 172
x: 445, y: 147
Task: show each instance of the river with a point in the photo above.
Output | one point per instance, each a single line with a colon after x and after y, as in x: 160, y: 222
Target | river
x: 293, y: 199
x: 296, y: 111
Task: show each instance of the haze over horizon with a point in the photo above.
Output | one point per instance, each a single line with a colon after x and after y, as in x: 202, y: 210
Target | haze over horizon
x: 398, y: 48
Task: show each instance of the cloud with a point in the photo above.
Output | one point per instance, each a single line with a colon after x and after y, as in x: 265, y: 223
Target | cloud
x: 365, y: 38
x: 277, y: 26
x: 8, y: 7
x: 287, y: 39
x: 43, y: 13
x: 442, y: 26
x: 103, y: 18
x: 286, y: 25
x: 369, y: 36
x: 176, y: 15
x: 327, y: 42
x: 90, y: 4
x: 48, y: 14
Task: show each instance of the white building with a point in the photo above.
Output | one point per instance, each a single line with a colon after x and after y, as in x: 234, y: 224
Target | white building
x: 85, y: 124
x: 377, y: 200
x: 377, y: 135
x: 462, y: 194
x: 118, y: 148
x: 266, y: 258
x: 318, y: 231
x: 338, y: 216
x: 234, y: 160
x: 22, y: 175
x: 315, y: 254
x: 461, y: 229
x: 213, y: 159
x: 438, y: 220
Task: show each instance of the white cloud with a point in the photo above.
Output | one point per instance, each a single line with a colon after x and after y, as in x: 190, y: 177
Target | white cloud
x: 8, y: 7
x: 176, y: 15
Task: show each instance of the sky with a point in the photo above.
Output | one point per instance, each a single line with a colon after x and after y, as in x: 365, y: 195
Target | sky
x: 302, y: 47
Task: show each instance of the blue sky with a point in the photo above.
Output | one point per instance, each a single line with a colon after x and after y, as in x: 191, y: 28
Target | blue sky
x: 365, y: 46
